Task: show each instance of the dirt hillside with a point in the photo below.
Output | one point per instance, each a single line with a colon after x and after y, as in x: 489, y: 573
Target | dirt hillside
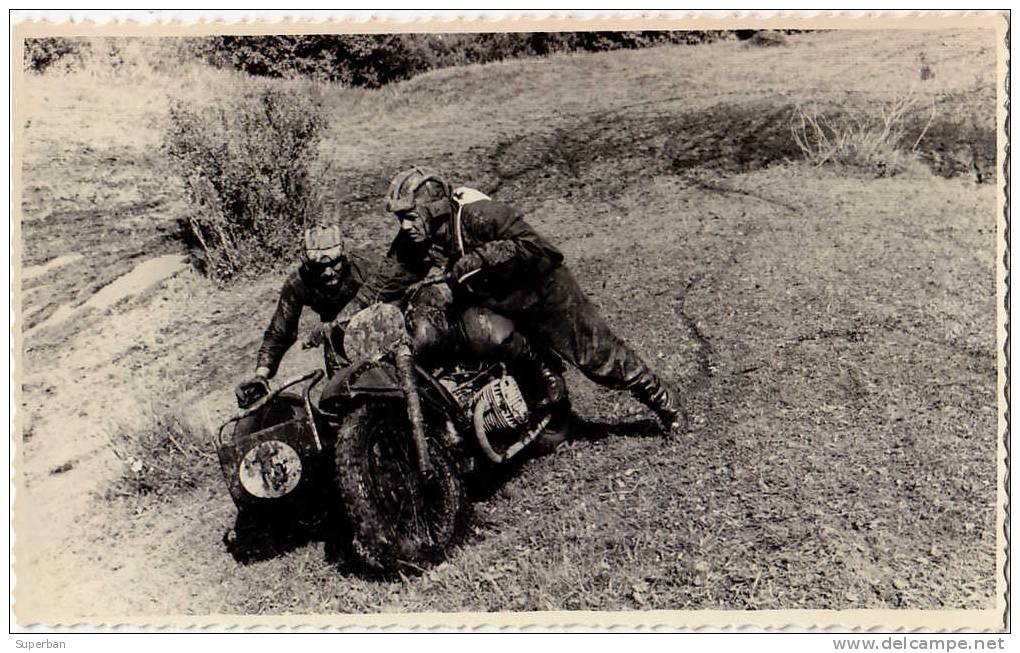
x: 834, y: 330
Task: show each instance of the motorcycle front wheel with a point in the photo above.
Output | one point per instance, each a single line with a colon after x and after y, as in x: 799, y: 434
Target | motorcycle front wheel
x: 401, y: 518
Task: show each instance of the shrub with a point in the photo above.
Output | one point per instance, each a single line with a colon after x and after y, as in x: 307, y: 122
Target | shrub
x: 247, y: 165
x: 368, y: 60
x: 372, y: 60
x: 767, y: 39
x: 44, y: 53
x: 353, y: 60
x: 874, y: 140
x: 165, y: 454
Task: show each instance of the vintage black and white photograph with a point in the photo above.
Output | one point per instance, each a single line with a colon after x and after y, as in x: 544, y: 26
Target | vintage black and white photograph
x: 650, y: 320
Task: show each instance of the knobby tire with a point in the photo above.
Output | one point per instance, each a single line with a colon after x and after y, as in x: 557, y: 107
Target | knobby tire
x: 400, y: 520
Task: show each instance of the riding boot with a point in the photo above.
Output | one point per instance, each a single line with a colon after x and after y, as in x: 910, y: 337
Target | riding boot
x: 663, y: 400
x: 546, y: 379
x: 557, y: 431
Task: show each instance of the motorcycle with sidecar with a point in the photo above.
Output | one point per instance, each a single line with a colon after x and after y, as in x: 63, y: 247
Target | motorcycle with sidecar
x: 391, y: 437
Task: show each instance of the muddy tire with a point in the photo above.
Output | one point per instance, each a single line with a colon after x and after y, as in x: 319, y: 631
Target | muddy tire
x: 400, y: 519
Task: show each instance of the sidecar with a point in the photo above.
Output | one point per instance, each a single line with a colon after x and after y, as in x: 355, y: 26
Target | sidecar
x: 270, y: 454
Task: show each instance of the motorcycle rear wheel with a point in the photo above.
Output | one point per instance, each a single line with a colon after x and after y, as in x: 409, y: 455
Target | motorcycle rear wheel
x: 400, y: 518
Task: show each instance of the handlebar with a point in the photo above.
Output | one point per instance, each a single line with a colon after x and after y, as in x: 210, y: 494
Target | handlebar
x: 314, y: 375
x: 340, y: 359
x: 445, y: 277
x: 336, y: 357
x: 427, y: 281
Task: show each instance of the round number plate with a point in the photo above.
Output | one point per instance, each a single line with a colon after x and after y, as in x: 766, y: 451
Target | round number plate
x: 270, y: 470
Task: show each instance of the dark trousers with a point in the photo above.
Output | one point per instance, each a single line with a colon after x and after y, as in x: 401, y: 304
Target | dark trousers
x: 566, y: 322
x: 557, y: 317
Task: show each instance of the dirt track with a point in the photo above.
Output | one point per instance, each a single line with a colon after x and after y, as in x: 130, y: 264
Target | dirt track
x: 835, y: 334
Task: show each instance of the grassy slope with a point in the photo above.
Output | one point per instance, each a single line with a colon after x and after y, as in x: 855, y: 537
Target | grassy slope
x: 836, y: 333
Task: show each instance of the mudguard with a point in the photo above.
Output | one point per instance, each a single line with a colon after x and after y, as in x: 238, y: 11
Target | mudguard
x: 381, y: 380
x: 349, y: 383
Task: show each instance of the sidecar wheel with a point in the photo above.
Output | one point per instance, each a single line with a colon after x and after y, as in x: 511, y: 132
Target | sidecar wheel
x: 401, y: 520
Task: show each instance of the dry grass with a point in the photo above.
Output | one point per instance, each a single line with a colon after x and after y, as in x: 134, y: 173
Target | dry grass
x: 164, y: 453
x: 873, y: 140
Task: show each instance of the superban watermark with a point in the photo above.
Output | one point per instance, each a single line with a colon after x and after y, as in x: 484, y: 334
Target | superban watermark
x: 34, y: 644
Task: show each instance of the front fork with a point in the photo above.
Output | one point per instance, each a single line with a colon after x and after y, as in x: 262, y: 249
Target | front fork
x: 404, y: 360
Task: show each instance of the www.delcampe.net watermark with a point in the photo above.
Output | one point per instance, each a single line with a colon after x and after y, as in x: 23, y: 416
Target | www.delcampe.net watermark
x: 920, y: 644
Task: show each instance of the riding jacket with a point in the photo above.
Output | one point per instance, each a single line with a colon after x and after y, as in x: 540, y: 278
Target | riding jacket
x: 516, y: 258
x: 300, y: 290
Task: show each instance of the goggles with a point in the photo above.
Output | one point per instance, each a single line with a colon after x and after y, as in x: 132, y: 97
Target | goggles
x: 320, y: 265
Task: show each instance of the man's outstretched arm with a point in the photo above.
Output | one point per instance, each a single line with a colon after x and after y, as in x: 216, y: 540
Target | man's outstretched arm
x: 281, y: 333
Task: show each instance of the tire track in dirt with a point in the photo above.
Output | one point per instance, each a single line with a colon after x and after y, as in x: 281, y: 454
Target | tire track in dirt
x: 705, y: 352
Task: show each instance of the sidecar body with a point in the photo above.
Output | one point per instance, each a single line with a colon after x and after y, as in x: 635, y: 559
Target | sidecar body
x: 270, y: 454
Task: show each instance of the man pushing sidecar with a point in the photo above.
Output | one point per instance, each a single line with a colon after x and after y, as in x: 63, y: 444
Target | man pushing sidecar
x: 471, y: 281
x: 511, y: 294
x: 518, y: 299
x: 327, y: 279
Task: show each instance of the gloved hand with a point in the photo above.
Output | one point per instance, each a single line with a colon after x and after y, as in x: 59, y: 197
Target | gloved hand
x: 467, y: 264
x: 251, y: 390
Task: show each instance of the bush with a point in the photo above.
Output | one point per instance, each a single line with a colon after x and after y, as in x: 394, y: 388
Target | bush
x: 767, y: 39
x: 247, y: 165
x: 353, y: 60
x: 365, y: 60
x: 372, y: 60
x: 166, y: 454
x: 44, y: 53
x: 874, y: 140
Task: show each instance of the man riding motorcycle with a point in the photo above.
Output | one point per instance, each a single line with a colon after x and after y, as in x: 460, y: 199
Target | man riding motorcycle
x: 326, y: 281
x: 508, y: 276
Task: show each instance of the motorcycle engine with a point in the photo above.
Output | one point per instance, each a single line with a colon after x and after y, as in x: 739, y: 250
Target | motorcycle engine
x: 500, y: 406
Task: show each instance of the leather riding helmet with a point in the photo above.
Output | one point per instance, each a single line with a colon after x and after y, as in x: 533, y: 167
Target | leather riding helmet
x: 323, y: 247
x: 419, y: 189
